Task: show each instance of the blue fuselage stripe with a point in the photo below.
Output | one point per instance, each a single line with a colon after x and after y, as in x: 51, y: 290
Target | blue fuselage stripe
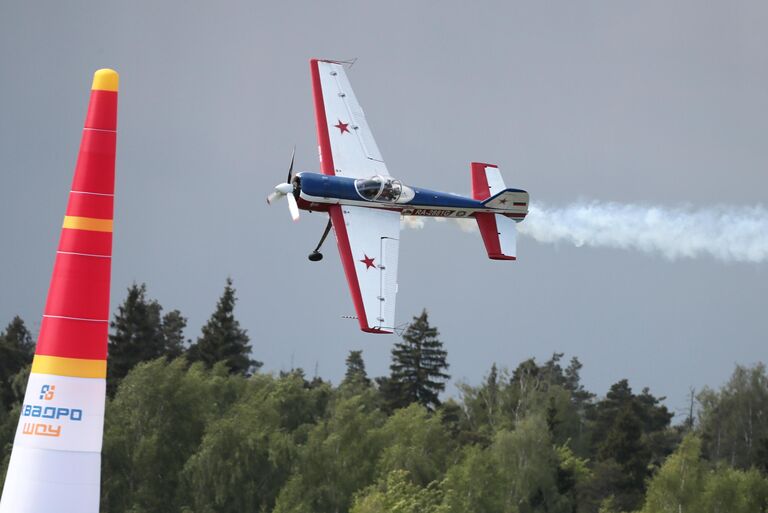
x: 343, y: 188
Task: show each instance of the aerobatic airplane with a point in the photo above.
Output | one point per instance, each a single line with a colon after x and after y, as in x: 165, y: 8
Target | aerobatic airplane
x: 364, y: 202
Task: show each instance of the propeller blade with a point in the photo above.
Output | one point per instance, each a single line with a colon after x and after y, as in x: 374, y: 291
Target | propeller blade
x: 272, y: 197
x: 293, y: 207
x: 290, y: 169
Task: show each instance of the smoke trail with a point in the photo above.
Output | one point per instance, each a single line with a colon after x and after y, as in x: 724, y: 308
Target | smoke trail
x: 414, y: 223
x: 729, y: 234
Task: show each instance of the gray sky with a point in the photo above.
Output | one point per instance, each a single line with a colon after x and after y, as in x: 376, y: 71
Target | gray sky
x: 650, y: 102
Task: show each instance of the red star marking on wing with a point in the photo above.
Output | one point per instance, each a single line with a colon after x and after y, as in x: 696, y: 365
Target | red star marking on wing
x: 503, y: 201
x: 342, y: 127
x: 368, y: 261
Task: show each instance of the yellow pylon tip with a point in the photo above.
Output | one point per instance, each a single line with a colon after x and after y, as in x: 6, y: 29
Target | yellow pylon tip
x: 105, y: 80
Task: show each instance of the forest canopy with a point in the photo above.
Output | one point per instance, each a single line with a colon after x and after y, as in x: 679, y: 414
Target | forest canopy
x: 195, y: 426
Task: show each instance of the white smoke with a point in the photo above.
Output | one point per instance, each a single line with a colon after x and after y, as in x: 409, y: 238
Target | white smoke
x: 412, y: 222
x: 467, y: 225
x: 730, y: 234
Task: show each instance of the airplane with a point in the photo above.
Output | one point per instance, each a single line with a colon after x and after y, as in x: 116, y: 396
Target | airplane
x: 364, y: 203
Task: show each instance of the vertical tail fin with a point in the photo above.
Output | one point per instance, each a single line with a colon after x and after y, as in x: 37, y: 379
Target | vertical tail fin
x: 498, y: 231
x: 486, y: 181
x: 56, y: 460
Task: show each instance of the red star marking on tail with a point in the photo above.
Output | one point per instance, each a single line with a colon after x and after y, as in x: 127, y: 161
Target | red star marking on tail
x: 368, y: 261
x: 342, y: 127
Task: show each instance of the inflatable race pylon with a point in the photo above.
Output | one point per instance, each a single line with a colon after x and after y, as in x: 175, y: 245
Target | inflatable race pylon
x: 55, y: 466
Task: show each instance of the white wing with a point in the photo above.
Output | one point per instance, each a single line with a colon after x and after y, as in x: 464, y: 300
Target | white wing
x: 368, y: 241
x: 346, y: 143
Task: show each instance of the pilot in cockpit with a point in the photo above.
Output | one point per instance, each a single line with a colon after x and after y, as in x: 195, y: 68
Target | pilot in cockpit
x: 390, y: 192
x: 381, y: 189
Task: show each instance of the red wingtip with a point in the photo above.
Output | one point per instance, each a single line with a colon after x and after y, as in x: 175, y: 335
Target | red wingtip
x: 323, y: 139
x: 375, y: 331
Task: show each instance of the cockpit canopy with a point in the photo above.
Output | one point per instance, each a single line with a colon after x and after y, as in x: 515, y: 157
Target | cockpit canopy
x: 379, y: 188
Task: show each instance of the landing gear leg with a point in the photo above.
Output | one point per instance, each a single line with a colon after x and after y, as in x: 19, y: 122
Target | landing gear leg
x: 316, y: 256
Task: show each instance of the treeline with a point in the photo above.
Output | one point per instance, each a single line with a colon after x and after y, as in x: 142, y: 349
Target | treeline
x: 193, y: 426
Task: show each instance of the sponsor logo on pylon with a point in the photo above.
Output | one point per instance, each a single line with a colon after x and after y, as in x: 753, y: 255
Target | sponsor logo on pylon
x: 43, y: 427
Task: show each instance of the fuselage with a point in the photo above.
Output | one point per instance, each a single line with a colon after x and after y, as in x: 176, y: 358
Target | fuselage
x: 316, y: 192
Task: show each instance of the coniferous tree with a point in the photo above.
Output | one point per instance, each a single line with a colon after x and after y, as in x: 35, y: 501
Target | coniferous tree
x: 625, y: 432
x: 16, y: 351
x: 356, y: 376
x: 141, y: 334
x: 552, y: 372
x: 17, y: 334
x: 223, y: 340
x: 173, y: 333
x: 137, y: 335
x: 417, y: 369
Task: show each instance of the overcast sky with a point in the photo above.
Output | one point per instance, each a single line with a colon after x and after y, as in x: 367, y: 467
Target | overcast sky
x: 646, y: 102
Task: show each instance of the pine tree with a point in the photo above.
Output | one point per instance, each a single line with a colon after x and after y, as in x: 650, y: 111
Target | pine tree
x: 137, y: 335
x: 572, y: 375
x: 417, y: 369
x: 625, y: 428
x: 16, y: 351
x: 17, y: 334
x: 223, y: 339
x: 356, y: 376
x: 173, y: 334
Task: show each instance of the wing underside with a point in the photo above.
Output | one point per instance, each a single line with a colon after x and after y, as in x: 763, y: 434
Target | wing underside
x: 346, y: 143
x: 368, y: 241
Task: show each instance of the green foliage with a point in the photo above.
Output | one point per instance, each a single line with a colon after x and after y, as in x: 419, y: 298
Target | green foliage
x: 417, y: 442
x: 503, y: 400
x: 155, y: 422
x: 729, y: 490
x: 8, y: 422
x: 473, y: 483
x: 483, y: 408
x: 622, y: 434
x: 573, y: 473
x: 246, y: 457
x: 16, y: 351
x: 355, y: 378
x: 418, y: 364
x: 337, y: 459
x: 527, y: 465
x: 517, y: 473
x: 623, y: 445
x: 173, y: 334
x: 685, y: 484
x: 223, y: 340
x: 629, y: 433
x: 734, y: 420
x: 397, y: 494
x: 678, y: 484
x: 208, y: 437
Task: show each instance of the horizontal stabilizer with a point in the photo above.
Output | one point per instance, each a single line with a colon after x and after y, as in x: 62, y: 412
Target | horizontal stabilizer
x: 498, y: 230
x: 513, y: 203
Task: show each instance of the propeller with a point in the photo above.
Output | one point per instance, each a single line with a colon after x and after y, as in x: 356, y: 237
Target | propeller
x: 286, y: 190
